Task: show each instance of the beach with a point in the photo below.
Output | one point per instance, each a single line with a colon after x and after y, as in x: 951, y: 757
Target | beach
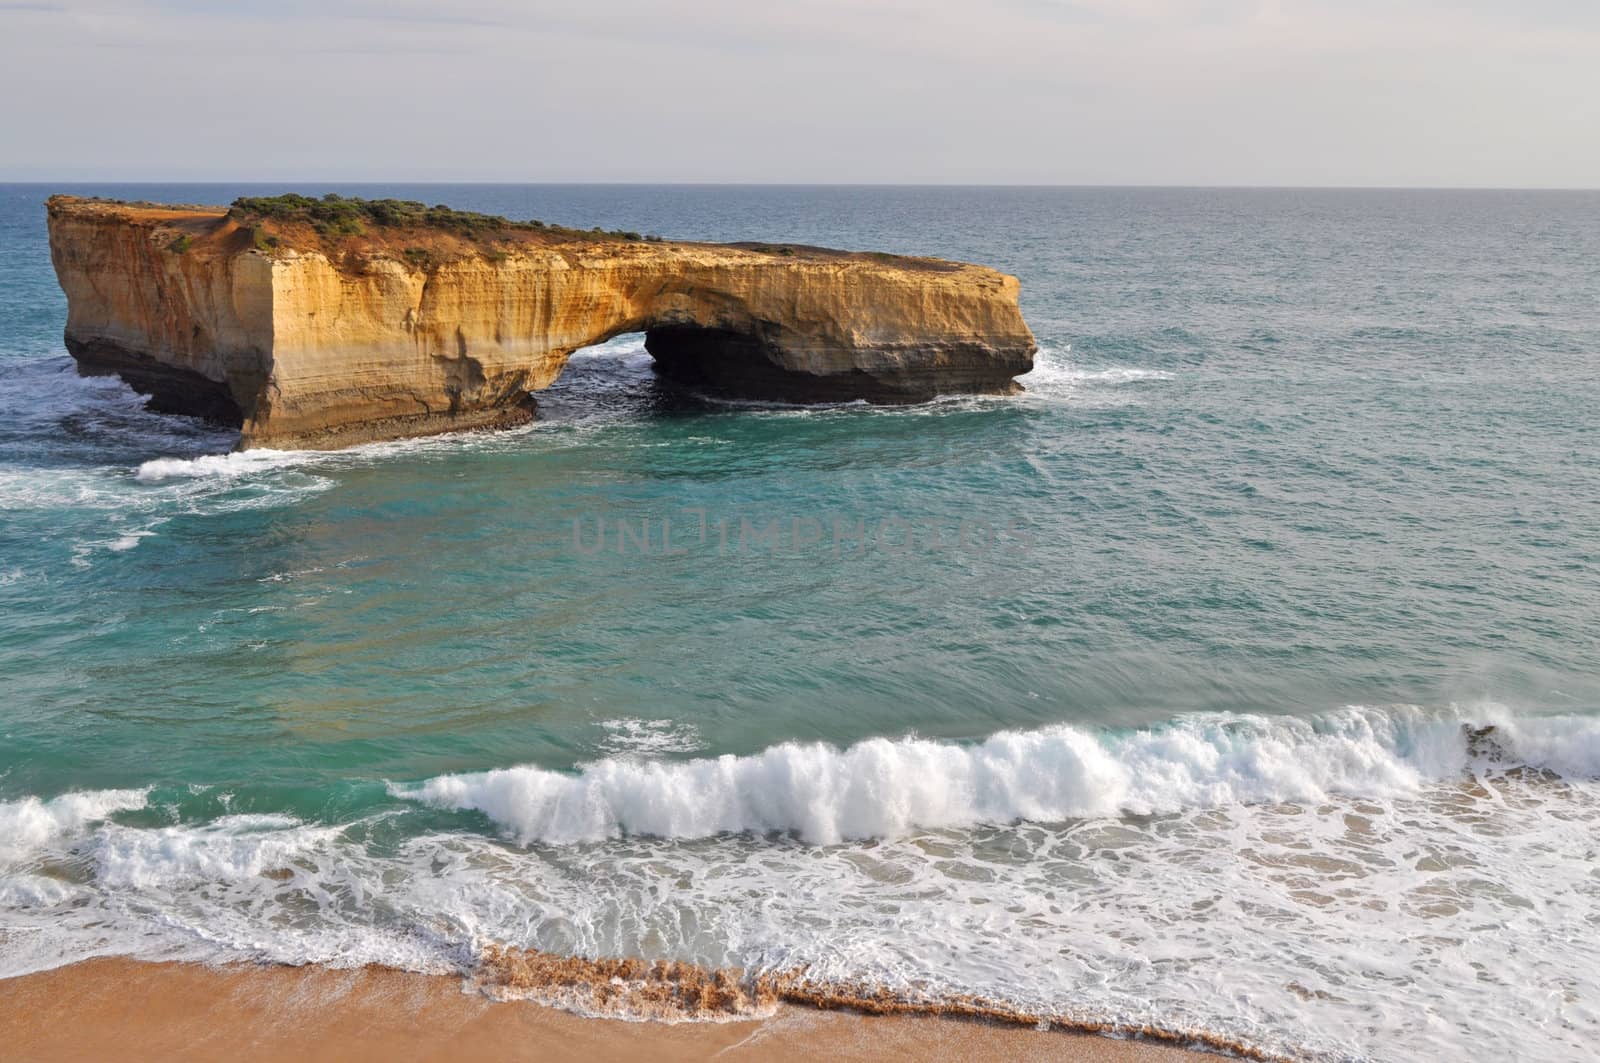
x: 114, y: 1008
x: 1237, y: 681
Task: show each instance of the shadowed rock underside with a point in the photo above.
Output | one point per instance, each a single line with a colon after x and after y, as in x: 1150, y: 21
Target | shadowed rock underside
x: 304, y: 338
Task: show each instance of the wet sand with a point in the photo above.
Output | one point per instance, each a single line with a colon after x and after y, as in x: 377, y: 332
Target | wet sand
x: 122, y: 1009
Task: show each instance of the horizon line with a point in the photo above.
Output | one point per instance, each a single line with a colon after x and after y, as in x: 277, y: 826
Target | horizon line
x: 822, y: 184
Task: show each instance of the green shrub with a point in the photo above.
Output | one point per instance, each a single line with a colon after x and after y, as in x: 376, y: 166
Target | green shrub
x: 336, y: 216
x: 263, y: 240
x: 181, y: 243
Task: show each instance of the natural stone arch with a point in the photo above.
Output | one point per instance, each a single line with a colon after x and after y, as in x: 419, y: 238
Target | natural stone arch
x: 323, y: 347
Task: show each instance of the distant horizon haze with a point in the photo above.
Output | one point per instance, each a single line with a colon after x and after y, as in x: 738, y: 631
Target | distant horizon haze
x: 1200, y: 93
x: 1144, y: 93
x: 298, y: 184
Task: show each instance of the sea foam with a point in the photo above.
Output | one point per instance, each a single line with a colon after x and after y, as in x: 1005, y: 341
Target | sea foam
x: 1295, y: 867
x: 226, y: 466
x: 231, y: 848
x: 885, y: 788
x: 29, y: 824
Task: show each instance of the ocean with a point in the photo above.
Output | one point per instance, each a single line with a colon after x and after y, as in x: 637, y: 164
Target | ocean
x: 1242, y: 676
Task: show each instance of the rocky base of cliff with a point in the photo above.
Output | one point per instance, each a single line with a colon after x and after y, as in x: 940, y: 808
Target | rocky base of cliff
x: 387, y: 429
x: 168, y: 388
x: 326, y: 323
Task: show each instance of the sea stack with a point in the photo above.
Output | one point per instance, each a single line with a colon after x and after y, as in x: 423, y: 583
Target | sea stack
x: 324, y: 323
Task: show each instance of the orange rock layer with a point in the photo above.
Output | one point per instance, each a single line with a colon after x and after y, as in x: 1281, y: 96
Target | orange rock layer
x: 307, y: 342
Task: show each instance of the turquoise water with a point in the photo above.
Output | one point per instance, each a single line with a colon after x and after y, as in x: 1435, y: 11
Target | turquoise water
x: 1142, y: 695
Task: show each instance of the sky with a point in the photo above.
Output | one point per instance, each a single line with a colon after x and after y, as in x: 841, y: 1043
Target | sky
x: 1434, y: 93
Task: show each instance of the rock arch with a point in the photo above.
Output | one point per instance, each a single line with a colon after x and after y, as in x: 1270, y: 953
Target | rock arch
x: 320, y: 347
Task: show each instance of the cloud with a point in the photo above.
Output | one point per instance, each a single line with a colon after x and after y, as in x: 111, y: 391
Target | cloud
x: 1099, y: 91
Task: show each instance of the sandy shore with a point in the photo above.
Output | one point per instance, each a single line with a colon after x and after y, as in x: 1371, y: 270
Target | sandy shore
x: 105, y: 1009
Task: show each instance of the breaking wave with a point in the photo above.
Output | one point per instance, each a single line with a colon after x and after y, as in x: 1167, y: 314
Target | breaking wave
x: 1057, y: 376
x: 1084, y: 879
x: 29, y: 824
x: 227, y: 466
x: 885, y: 788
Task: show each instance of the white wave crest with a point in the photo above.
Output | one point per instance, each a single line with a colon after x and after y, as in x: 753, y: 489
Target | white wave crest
x: 130, y: 539
x: 225, y: 466
x: 247, y: 464
x: 1124, y: 374
x: 1056, y: 376
x: 885, y: 788
x: 29, y: 824
x: 1293, y: 906
x: 228, y: 849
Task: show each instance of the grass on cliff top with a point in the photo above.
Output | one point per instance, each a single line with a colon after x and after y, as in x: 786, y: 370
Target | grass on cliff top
x: 334, y: 216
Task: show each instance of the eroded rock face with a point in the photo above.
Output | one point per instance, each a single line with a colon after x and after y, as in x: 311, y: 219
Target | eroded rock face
x: 304, y: 342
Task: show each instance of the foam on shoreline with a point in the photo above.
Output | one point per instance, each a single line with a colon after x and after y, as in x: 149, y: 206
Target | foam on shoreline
x: 113, y: 1008
x: 1250, y: 878
x: 665, y: 991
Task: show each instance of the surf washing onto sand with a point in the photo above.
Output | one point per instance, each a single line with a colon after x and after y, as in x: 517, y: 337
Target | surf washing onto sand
x: 901, y: 875
x: 1273, y: 728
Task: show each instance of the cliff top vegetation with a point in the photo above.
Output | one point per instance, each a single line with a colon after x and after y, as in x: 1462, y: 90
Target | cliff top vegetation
x: 333, y: 216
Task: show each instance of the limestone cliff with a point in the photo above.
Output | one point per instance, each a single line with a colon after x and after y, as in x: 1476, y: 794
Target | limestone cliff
x: 311, y: 338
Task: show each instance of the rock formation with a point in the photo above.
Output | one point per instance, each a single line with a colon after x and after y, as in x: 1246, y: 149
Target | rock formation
x: 397, y: 321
